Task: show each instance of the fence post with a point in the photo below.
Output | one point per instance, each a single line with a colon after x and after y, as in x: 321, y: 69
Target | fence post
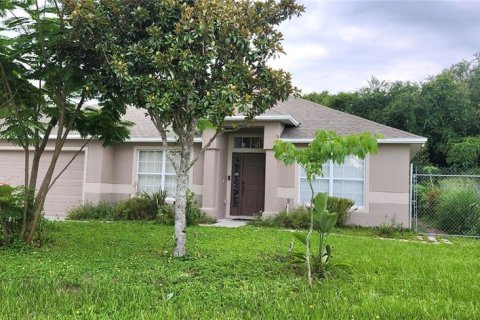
x: 410, y: 198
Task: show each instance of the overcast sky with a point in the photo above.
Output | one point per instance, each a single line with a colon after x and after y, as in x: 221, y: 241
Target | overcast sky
x: 339, y: 45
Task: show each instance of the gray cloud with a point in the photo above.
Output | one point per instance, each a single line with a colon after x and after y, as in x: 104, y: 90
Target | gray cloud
x: 339, y: 45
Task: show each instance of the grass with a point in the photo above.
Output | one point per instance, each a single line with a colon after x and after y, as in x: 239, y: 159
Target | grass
x: 124, y: 270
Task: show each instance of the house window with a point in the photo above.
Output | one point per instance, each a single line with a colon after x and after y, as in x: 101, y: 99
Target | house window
x: 155, y: 173
x: 343, y: 181
x: 248, y: 143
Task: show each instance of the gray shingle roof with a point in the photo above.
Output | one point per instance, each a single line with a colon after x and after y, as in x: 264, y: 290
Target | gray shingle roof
x: 143, y: 126
x: 313, y: 117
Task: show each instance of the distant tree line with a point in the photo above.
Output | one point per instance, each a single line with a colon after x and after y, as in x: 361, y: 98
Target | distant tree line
x: 445, y: 108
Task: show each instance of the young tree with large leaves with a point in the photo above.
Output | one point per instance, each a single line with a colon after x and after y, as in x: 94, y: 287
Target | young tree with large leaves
x: 46, y: 77
x: 326, y: 146
x: 188, y: 63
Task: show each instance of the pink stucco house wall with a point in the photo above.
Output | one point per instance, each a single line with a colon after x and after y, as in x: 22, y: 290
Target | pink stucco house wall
x: 237, y: 176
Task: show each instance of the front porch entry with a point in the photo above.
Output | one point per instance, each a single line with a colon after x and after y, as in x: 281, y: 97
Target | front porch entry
x: 247, y: 184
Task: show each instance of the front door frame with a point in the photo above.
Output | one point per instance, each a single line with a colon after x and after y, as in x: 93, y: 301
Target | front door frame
x: 232, y: 150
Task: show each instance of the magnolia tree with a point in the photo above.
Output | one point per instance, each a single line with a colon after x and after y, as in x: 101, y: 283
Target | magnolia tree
x: 326, y: 145
x: 189, y: 64
x: 46, y: 76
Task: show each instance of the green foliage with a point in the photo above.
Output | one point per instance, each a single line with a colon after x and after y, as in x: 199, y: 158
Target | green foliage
x: 189, y: 64
x: 389, y: 229
x: 427, y: 198
x: 10, y: 212
x: 193, y: 211
x: 146, y: 206
x: 206, y: 56
x: 47, y: 75
x: 324, y: 221
x: 137, y: 208
x: 444, y: 108
x: 342, y: 207
x: 458, y: 207
x: 326, y: 145
x: 194, y: 214
x: 242, y: 269
x: 102, y: 210
x: 464, y: 153
x: 299, y: 217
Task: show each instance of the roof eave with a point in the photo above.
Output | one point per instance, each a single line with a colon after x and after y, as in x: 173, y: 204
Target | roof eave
x: 419, y: 140
x: 131, y: 139
x: 285, y: 119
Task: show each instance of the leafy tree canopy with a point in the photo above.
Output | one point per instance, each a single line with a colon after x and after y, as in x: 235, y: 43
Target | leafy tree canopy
x: 189, y: 64
x: 444, y: 108
x: 46, y: 77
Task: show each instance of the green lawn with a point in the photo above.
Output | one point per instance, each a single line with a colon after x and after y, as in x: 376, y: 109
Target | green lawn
x: 124, y: 271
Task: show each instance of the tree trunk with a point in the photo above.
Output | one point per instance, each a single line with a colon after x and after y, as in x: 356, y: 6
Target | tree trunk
x: 181, y: 196
x: 30, y: 192
x: 41, y: 195
x: 180, y: 216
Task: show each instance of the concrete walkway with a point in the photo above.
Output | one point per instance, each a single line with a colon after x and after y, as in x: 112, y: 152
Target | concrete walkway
x: 227, y: 223
x: 54, y: 218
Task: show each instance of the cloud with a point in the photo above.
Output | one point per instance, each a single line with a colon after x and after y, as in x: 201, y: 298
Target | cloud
x: 339, y: 45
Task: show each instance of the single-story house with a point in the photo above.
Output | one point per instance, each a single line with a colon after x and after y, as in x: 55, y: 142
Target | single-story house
x: 238, y: 175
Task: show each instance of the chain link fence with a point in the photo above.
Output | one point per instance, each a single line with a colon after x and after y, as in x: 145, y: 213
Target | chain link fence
x: 446, y: 201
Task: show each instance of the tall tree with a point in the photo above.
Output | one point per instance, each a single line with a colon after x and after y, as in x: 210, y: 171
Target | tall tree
x: 188, y: 63
x: 445, y: 113
x: 46, y: 76
x: 444, y: 107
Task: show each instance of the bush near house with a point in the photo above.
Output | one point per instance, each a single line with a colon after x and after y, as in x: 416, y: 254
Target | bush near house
x: 145, y: 206
x: 299, y: 217
x: 92, y: 211
x: 10, y: 213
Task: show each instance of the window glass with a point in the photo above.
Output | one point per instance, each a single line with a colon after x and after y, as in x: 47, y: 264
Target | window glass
x: 345, y: 181
x: 155, y: 173
x: 248, y: 142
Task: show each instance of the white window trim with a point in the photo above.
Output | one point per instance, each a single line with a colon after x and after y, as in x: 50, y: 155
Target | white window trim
x: 330, y: 179
x: 162, y: 174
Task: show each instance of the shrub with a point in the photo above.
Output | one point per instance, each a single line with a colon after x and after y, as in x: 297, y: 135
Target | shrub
x: 299, y: 217
x: 194, y: 214
x: 388, y: 229
x: 458, y: 207
x: 166, y: 215
x: 92, y: 211
x: 342, y: 207
x: 11, y: 205
x: 427, y: 198
x: 144, y: 207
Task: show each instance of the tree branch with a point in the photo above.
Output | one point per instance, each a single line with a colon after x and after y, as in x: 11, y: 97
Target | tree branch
x: 8, y: 89
x: 163, y: 133
x: 218, y: 132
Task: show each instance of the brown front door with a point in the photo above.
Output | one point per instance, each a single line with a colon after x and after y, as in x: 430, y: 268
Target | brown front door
x: 248, y: 184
